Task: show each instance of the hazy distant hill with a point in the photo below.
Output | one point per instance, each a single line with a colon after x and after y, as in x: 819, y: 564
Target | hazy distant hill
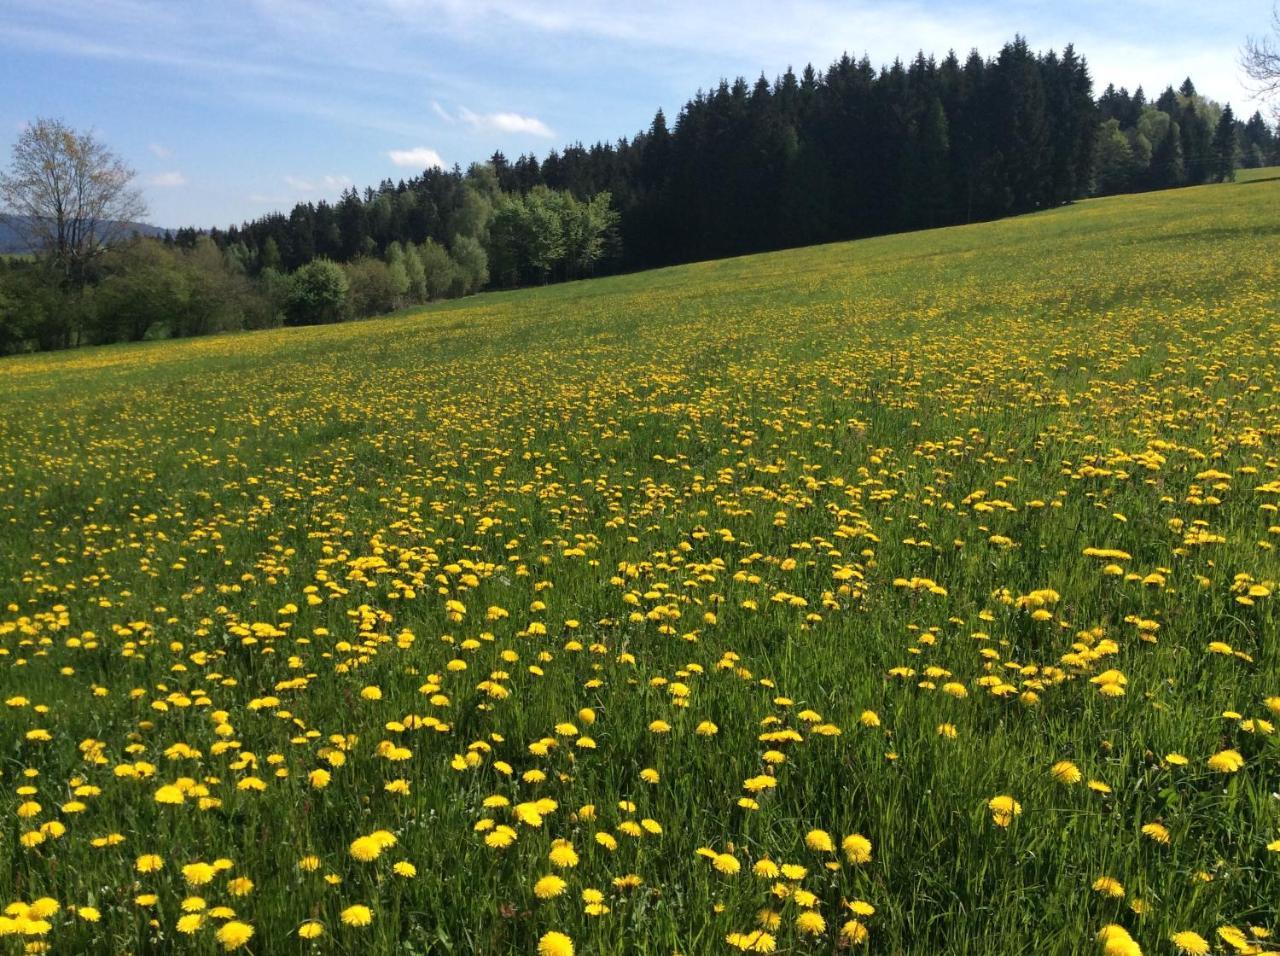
x: 14, y: 236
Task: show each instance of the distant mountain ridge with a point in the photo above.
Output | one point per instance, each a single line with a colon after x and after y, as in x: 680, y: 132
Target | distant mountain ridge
x: 15, y: 236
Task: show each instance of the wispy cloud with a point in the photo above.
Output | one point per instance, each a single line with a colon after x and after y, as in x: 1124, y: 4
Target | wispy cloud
x: 419, y: 157
x: 506, y: 123
x: 325, y: 184
x: 499, y: 122
x: 160, y: 152
x: 169, y: 180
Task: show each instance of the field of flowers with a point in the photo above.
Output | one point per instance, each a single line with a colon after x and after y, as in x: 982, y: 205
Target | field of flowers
x: 916, y: 595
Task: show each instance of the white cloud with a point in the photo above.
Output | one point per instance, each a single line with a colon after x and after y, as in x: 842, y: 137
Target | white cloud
x: 441, y: 112
x: 325, y: 184
x: 167, y: 180
x: 420, y: 157
x: 506, y: 123
x: 160, y: 152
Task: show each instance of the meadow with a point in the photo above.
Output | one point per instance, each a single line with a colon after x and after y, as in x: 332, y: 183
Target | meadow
x: 912, y: 595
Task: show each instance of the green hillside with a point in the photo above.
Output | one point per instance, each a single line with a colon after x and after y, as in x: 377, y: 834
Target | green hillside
x: 914, y: 594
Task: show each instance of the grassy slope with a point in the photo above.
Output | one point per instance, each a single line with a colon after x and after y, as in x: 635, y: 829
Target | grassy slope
x: 836, y: 405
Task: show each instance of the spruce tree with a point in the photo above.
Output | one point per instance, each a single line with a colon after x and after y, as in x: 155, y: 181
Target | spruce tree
x: 1225, y: 149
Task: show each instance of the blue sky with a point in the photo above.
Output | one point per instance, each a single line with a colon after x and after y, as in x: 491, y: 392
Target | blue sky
x: 232, y: 108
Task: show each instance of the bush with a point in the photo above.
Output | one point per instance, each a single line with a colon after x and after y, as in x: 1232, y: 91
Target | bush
x: 317, y: 294
x: 371, y: 287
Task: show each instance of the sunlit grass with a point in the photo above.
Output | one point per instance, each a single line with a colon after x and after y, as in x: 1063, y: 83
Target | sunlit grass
x: 913, y: 594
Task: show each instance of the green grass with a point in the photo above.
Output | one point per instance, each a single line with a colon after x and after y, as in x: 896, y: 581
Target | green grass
x: 710, y: 484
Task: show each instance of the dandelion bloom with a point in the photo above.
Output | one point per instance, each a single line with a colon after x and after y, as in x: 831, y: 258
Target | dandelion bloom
x: 854, y: 932
x: 1064, y: 771
x: 311, y: 929
x: 563, y: 854
x: 757, y: 942
x: 819, y: 841
x: 857, y: 848
x: 1193, y: 944
x: 234, y: 934
x: 810, y: 923
x: 198, y: 874
x: 357, y: 915
x: 190, y: 923
x: 555, y: 944
x: 1109, y: 886
x: 365, y: 849
x: 726, y: 863
x: 766, y: 868
x: 549, y: 887
x: 1226, y: 761
x: 1116, y: 941
x: 169, y: 794
x: 1156, y: 831
x: 1003, y: 809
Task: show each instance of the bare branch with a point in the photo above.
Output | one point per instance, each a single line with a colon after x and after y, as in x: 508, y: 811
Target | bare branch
x: 1260, y: 60
x: 74, y: 195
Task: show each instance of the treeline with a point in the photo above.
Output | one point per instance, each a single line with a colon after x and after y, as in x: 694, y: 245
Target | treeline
x: 849, y: 152
x: 534, y: 234
x: 261, y: 277
x: 1182, y: 139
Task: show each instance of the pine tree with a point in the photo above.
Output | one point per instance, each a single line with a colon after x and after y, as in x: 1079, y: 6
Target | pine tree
x: 1225, y: 149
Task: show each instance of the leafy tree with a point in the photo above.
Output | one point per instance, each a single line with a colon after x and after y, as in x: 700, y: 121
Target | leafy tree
x: 270, y: 258
x: 444, y: 278
x: 1115, y: 164
x: 415, y: 274
x: 146, y: 289
x: 587, y: 229
x: 371, y: 287
x: 472, y: 262
x: 274, y: 288
x: 317, y: 294
x: 76, y: 196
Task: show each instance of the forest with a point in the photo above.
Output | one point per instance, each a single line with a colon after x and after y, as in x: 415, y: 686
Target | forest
x: 817, y: 157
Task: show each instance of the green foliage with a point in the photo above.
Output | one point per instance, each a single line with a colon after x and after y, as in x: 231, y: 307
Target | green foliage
x: 145, y: 289
x: 372, y: 287
x: 1226, y: 151
x: 318, y: 294
x: 443, y: 277
x: 472, y: 262
x: 415, y: 274
x: 545, y: 234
